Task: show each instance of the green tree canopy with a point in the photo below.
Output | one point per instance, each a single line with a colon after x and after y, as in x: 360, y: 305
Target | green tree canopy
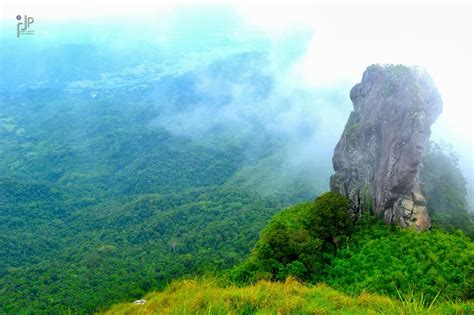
x: 331, y: 217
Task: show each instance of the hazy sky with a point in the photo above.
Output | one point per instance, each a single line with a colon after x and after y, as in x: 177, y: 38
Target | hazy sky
x: 346, y: 38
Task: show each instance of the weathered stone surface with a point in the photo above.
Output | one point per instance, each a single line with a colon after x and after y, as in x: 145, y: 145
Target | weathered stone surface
x: 418, y: 197
x: 379, y: 155
x: 407, y: 204
x: 423, y: 220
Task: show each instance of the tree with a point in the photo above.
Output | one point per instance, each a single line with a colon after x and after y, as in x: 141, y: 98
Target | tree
x: 276, y: 239
x: 331, y: 217
x: 297, y: 269
x: 445, y: 189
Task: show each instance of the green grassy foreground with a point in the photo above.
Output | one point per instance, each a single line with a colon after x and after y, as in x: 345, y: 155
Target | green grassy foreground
x: 291, y: 297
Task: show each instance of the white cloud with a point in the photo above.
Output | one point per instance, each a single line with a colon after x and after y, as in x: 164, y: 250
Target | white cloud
x: 349, y: 37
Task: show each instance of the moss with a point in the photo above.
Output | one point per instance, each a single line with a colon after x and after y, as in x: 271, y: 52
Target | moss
x: 367, y: 200
x: 389, y: 91
x: 352, y: 122
x: 404, y: 75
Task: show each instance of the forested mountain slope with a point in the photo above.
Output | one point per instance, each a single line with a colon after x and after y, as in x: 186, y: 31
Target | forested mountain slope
x: 107, y: 192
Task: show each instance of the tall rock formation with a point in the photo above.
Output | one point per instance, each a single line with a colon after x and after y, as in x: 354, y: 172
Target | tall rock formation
x: 378, y: 158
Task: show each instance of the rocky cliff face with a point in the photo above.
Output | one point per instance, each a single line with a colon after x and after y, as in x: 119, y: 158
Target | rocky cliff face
x: 378, y: 158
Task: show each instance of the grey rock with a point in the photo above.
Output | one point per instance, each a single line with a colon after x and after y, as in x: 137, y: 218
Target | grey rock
x: 418, y: 197
x: 378, y: 158
x: 407, y: 204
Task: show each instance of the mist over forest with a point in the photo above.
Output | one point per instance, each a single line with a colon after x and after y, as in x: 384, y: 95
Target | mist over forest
x: 202, y: 70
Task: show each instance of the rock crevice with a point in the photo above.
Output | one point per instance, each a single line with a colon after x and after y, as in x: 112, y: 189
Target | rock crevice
x: 380, y: 153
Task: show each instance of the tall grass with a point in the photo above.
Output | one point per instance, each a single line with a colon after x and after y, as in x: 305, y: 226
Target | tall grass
x: 206, y: 296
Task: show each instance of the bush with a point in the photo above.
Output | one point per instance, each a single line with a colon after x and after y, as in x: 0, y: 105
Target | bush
x: 286, y: 247
x: 389, y: 260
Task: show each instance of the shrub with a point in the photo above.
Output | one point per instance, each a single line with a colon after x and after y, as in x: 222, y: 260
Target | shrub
x: 389, y: 260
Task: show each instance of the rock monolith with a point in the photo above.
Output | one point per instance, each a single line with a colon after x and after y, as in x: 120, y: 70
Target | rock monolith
x: 378, y: 158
